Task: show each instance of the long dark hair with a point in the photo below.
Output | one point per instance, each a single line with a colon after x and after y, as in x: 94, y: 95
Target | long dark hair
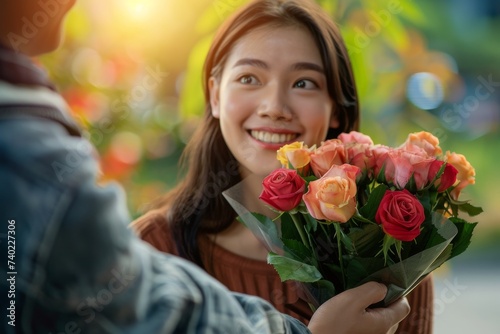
x: 196, y: 205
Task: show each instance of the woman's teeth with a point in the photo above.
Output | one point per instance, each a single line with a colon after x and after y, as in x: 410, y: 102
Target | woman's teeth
x: 274, y: 138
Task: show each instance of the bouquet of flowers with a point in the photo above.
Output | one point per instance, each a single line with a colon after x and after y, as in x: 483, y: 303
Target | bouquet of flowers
x: 349, y: 211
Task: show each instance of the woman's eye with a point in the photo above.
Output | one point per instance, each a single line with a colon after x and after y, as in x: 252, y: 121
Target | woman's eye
x: 248, y: 80
x: 305, y: 84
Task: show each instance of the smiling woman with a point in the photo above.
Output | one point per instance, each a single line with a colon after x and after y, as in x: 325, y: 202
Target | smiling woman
x: 276, y: 72
x: 264, y: 101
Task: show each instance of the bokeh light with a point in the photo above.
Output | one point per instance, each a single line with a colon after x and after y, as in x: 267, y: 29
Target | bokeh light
x: 425, y: 91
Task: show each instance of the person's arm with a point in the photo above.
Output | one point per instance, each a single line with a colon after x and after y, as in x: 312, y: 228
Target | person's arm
x: 101, y: 277
x: 349, y: 312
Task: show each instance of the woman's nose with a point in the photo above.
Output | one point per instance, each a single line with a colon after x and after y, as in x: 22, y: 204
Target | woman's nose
x: 274, y: 104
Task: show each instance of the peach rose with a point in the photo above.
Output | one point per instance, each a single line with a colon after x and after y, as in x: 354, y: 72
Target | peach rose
x: 423, y: 141
x: 333, y: 196
x: 331, y: 152
x: 295, y: 155
x: 466, y: 173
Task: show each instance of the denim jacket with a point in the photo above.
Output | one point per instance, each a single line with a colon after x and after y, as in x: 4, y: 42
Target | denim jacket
x: 69, y: 262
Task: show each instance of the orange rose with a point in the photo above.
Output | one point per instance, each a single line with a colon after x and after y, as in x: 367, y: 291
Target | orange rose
x: 333, y: 196
x: 423, y: 141
x: 466, y: 173
x: 331, y: 152
x: 296, y: 155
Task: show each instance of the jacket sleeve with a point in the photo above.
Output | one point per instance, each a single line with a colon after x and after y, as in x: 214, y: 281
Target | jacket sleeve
x: 107, y: 280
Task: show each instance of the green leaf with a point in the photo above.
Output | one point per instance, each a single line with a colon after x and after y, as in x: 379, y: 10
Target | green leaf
x: 298, y: 250
x: 411, y: 186
x: 463, y: 238
x: 470, y: 209
x: 311, y: 223
x: 425, y: 198
x: 370, y: 209
x: 429, y: 237
x: 386, y: 246
x: 381, y: 175
x: 321, y: 291
x: 367, y: 239
x: 359, y: 268
x: 290, y: 269
x: 288, y: 228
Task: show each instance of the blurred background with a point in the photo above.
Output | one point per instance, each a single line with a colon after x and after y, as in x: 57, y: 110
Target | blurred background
x: 131, y: 72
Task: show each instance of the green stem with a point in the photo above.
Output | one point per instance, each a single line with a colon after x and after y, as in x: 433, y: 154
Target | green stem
x: 300, y: 228
x: 338, y: 234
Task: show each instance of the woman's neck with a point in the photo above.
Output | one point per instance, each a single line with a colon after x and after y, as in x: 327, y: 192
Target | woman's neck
x: 237, y: 238
x: 241, y: 241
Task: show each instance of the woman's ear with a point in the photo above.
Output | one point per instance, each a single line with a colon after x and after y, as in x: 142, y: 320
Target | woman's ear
x: 213, y: 87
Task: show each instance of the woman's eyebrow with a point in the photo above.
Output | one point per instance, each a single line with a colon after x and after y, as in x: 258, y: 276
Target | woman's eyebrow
x: 251, y: 62
x: 300, y: 66
x: 307, y: 66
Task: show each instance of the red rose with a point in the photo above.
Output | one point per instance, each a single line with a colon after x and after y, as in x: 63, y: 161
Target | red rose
x: 400, y: 214
x: 447, y: 178
x: 283, y: 189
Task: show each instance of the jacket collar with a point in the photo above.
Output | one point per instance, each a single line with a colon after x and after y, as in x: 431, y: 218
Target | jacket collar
x: 18, y: 69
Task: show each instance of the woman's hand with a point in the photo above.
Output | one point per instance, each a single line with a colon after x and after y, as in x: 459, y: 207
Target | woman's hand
x: 348, y: 312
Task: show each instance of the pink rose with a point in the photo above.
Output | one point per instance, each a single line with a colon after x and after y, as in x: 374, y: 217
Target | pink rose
x: 397, y: 169
x: 331, y: 152
x: 400, y: 165
x: 283, y: 189
x: 400, y: 214
x: 333, y: 196
x: 361, y: 155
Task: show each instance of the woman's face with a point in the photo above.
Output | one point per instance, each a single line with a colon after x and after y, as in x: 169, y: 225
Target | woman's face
x: 272, y: 92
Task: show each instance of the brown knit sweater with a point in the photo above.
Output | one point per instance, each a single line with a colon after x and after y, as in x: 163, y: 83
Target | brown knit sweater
x: 254, y: 277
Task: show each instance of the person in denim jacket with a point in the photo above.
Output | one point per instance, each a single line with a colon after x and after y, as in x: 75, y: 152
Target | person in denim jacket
x: 69, y: 262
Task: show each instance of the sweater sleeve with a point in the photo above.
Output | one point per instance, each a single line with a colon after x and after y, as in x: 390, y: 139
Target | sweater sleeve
x: 420, y: 319
x: 153, y: 228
